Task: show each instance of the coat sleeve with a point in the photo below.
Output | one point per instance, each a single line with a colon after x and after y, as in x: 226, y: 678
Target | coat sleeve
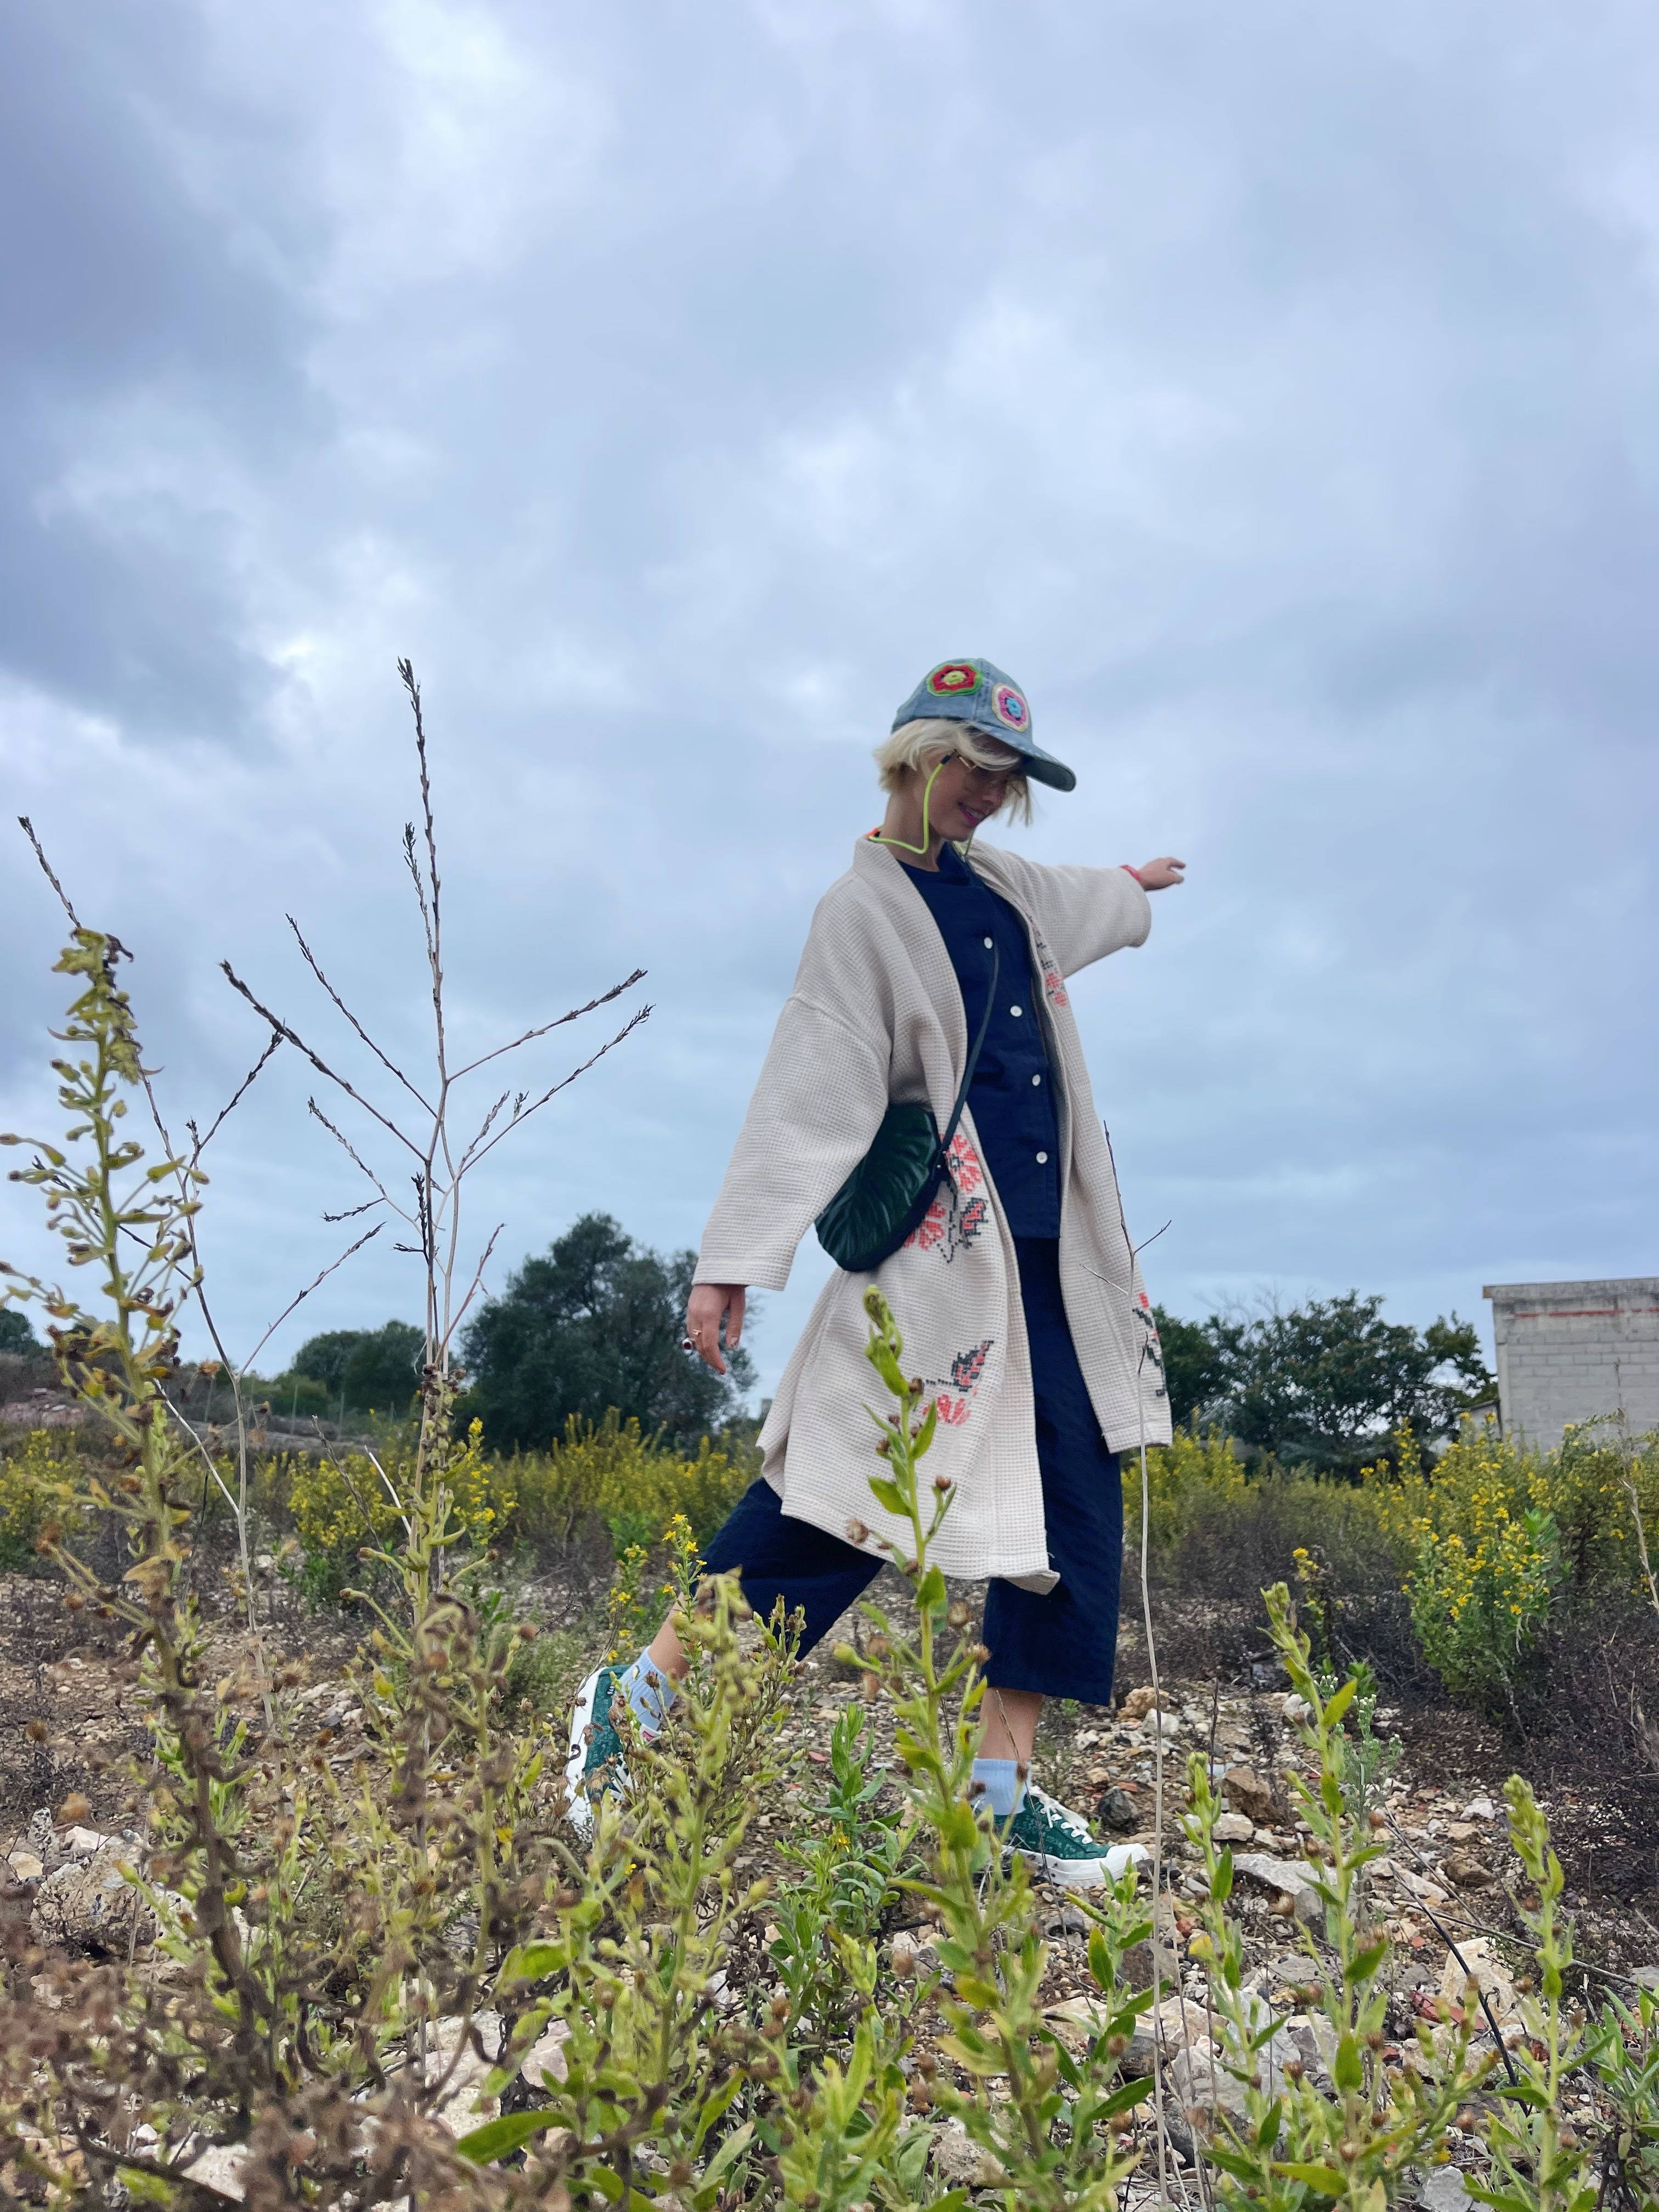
x: 1085, y: 912
x: 816, y: 1107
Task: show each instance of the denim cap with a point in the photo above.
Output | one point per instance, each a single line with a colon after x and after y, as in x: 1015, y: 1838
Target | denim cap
x: 979, y: 693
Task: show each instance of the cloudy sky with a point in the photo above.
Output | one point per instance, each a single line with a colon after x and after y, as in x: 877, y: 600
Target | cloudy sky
x: 1270, y: 386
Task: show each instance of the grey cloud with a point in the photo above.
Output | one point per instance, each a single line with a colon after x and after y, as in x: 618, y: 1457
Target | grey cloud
x: 1267, y: 389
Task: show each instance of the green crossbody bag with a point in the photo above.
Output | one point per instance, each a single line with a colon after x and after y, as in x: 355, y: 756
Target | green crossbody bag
x: 886, y: 1197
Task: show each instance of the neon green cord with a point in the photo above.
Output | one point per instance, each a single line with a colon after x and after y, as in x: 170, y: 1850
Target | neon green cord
x: 875, y: 838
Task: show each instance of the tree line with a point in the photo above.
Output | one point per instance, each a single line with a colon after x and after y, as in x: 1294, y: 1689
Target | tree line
x: 596, y: 1321
x: 1324, y: 1384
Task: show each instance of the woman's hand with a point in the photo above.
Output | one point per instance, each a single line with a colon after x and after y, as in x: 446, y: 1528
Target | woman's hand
x: 1158, y: 875
x: 708, y: 1305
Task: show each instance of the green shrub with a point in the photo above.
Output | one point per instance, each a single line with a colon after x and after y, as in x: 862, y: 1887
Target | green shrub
x: 37, y: 1494
x: 348, y: 1502
x: 543, y: 1673
x: 1218, y: 1528
x: 634, y: 1484
x: 1500, y: 1536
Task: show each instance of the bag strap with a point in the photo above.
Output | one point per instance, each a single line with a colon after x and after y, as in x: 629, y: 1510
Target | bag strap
x: 972, y: 1057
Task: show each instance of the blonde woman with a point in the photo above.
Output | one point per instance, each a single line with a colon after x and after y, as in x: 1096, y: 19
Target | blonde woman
x: 1018, y: 1293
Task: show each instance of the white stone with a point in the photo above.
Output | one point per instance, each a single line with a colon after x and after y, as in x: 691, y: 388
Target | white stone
x: 1196, y: 2076
x: 1490, y: 1978
x: 1443, y: 2191
x: 546, y: 2060
x: 219, y: 2168
x: 82, y: 1842
x: 1479, y: 1808
x: 1233, y: 1828
x: 958, y: 2158
x: 463, y: 2107
x: 1315, y: 2040
x: 90, y: 1905
x: 25, y: 1866
x: 1285, y: 1875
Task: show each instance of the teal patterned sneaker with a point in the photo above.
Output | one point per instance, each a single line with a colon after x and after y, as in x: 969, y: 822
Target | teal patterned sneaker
x: 595, y: 1766
x: 1056, y: 1844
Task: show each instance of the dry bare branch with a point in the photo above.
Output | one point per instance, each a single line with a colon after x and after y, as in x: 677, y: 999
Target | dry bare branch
x: 544, y: 1028
x: 344, y: 1142
x: 405, y: 669
x: 367, y: 1237
x: 626, y: 1030
x: 316, y: 1060
x: 28, y: 828
x: 390, y: 1066
x: 201, y: 1143
x: 460, y: 1313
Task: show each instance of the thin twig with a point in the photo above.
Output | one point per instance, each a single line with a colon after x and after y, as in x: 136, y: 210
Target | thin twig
x: 28, y: 828
x: 544, y: 1029
x: 471, y: 1159
x: 390, y: 1067
x: 225, y: 1490
x: 1469, y: 1976
x: 201, y: 1143
x: 477, y: 1278
x: 362, y: 1510
x: 351, y: 1212
x: 345, y: 1145
x: 316, y: 1060
x: 367, y: 1236
x: 239, y: 1505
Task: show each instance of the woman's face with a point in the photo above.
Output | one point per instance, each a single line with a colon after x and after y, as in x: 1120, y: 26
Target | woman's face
x: 963, y: 798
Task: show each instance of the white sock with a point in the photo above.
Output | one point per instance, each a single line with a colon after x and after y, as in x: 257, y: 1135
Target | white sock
x: 649, y: 1690
x: 999, y: 1785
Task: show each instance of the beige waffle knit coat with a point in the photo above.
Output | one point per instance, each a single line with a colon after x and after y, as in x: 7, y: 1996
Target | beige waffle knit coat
x: 876, y: 1015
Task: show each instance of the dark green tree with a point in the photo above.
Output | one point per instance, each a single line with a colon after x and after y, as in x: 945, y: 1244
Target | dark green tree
x: 1324, y: 1384
x: 596, y: 1323
x: 16, y: 1335
x: 364, y: 1370
x: 323, y: 1358
x: 383, y: 1368
x: 1194, y: 1367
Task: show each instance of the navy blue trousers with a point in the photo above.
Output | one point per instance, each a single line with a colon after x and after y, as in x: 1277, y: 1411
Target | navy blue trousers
x: 1062, y: 1645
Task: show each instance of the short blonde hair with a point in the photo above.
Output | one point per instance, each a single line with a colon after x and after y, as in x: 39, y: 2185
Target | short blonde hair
x: 912, y: 742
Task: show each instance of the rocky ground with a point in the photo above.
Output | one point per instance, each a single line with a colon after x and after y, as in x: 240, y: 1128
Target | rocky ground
x: 68, y: 1819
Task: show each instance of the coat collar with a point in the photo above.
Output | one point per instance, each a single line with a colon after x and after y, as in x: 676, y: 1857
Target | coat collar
x: 880, y: 867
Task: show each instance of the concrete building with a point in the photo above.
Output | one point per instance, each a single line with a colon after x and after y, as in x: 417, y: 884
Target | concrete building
x: 1567, y: 1352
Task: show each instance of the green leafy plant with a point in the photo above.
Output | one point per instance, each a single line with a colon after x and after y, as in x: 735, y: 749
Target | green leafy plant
x: 851, y: 1870
x: 1054, y: 2129
x: 1539, y: 2163
x: 1296, y: 2142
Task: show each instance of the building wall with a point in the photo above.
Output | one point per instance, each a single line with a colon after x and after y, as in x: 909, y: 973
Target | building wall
x: 1567, y: 1352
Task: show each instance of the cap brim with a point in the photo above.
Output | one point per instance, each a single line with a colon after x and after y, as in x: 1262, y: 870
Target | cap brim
x: 1053, y: 773
x: 1040, y: 767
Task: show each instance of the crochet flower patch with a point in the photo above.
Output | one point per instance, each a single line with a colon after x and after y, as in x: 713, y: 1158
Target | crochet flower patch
x: 1009, y: 706
x: 953, y: 679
